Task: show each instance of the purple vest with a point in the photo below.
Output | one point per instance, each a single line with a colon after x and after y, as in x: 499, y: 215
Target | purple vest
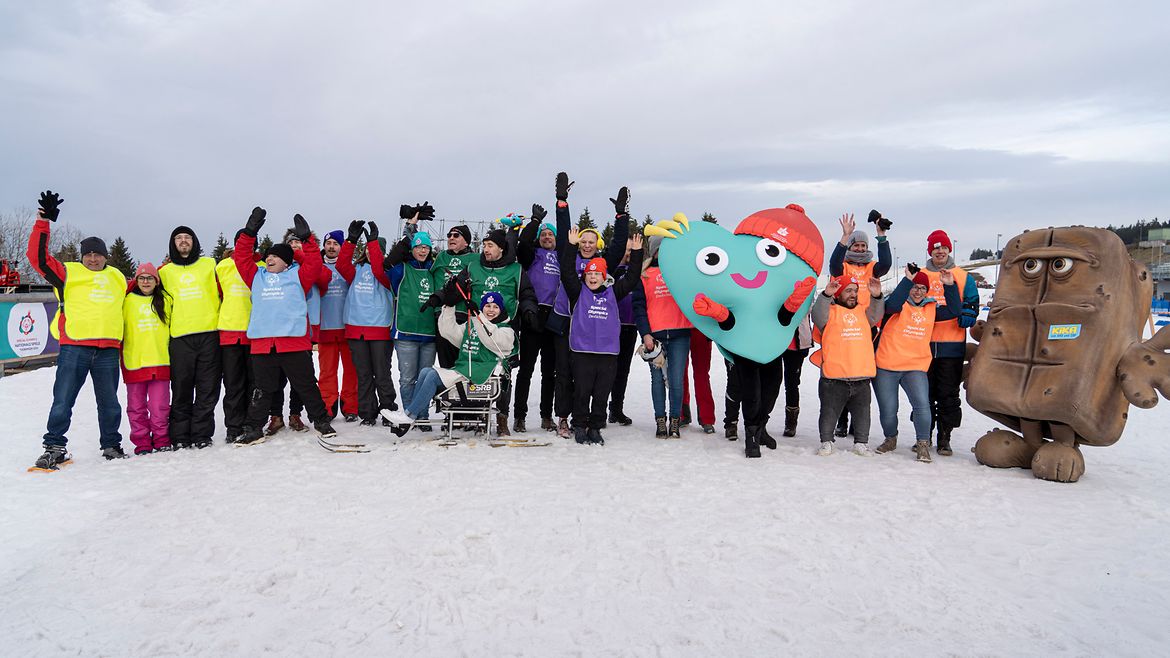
x: 561, y: 305
x: 595, y: 326
x: 545, y: 275
x: 625, y: 304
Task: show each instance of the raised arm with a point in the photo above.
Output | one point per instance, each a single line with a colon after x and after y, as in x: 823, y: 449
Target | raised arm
x: 374, y: 253
x: 633, y: 277
x: 345, y: 259
x: 616, y: 251
x: 246, y: 245
x: 568, y: 257
x: 38, y: 242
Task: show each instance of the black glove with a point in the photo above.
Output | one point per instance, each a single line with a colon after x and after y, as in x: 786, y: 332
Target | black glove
x: 255, y: 221
x: 472, y: 307
x: 355, y: 231
x: 426, y: 212
x: 875, y: 217
x: 301, y: 228
x: 50, y: 203
x: 563, y: 186
x: 371, y: 232
x: 406, y: 212
x: 621, y: 205
x: 913, y: 267
x: 434, y: 301
x: 538, y: 213
x: 449, y: 294
x: 530, y: 320
x: 463, y: 279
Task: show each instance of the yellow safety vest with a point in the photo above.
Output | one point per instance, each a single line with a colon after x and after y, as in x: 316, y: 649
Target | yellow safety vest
x: 194, y: 297
x: 236, y: 307
x: 147, y: 338
x: 93, y: 303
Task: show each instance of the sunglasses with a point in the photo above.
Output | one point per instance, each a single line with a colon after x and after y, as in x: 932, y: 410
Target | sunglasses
x: 454, y: 234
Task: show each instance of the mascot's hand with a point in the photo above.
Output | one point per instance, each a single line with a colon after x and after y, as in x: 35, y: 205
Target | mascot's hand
x: 800, y: 293
x: 977, y: 330
x: 1144, y: 368
x: 710, y: 308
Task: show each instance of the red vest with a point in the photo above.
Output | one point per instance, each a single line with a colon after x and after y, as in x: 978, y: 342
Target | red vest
x: 661, y: 308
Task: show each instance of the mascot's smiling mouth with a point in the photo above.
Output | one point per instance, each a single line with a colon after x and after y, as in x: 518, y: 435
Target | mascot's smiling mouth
x: 754, y: 282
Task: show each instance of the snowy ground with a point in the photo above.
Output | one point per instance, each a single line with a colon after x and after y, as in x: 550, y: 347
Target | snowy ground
x: 641, y: 547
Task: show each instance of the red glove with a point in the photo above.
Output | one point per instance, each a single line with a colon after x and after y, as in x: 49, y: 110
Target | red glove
x: 705, y: 306
x: 800, y: 293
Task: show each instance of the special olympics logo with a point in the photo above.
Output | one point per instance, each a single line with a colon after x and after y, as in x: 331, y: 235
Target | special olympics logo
x: 27, y: 324
x: 492, y: 282
x: 271, y: 279
x: 455, y: 264
x: 850, y: 319
x: 187, y: 278
x: 918, y: 318
x: 424, y: 283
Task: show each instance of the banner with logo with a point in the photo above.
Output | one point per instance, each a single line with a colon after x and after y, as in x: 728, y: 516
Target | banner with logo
x: 27, y: 333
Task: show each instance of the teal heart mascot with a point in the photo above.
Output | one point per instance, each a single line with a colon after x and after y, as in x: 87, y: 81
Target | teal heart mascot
x: 747, y: 291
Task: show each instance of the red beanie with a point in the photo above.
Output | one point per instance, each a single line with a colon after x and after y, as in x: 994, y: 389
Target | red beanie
x: 791, y: 228
x: 596, y: 265
x: 146, y: 268
x: 920, y: 279
x: 846, y: 280
x: 938, y: 238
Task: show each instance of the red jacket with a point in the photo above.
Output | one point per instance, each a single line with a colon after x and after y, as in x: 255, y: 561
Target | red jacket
x: 54, y: 272
x: 308, y: 274
x: 347, y: 270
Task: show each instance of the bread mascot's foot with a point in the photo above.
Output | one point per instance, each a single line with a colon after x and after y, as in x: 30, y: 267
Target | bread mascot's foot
x: 1058, y: 462
x: 1003, y: 449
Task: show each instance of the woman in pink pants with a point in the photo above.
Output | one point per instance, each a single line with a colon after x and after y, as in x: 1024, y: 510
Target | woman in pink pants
x: 146, y: 363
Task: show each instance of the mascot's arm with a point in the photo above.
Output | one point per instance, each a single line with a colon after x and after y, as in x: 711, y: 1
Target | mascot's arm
x: 710, y: 308
x: 800, y: 292
x: 1144, y: 368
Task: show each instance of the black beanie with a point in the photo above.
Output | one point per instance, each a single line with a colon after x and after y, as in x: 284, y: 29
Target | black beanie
x: 463, y: 230
x: 281, y: 251
x: 498, y: 236
x: 94, y: 245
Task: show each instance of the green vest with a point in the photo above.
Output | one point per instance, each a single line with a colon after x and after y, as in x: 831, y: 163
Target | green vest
x: 448, y: 265
x: 413, y: 291
x: 475, y: 362
x: 504, y: 280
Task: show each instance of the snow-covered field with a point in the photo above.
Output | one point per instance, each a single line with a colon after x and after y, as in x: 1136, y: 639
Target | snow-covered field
x: 640, y: 547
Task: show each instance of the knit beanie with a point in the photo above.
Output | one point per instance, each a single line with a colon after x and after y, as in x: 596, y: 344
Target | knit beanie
x: 650, y: 247
x: 94, y: 245
x: 336, y: 236
x: 938, y: 238
x: 281, y: 251
x: 847, y: 280
x: 920, y: 279
x: 492, y: 297
x: 790, y: 227
x: 498, y: 236
x: 549, y: 226
x: 859, y: 236
x: 146, y: 268
x: 463, y: 230
x: 422, y: 238
x: 597, y: 265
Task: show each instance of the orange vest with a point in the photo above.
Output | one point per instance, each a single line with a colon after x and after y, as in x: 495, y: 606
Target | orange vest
x: 661, y: 308
x: 905, y: 343
x: 947, y: 331
x: 862, y: 273
x: 846, y: 348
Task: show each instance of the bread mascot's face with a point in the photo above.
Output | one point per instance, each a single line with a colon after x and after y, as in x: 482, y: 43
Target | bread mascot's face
x: 1068, y: 304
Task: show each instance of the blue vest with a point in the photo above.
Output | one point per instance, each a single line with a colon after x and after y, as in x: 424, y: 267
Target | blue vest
x: 314, y: 302
x: 333, y: 303
x: 561, y: 305
x: 279, y: 307
x: 595, y: 327
x: 545, y: 275
x: 368, y: 303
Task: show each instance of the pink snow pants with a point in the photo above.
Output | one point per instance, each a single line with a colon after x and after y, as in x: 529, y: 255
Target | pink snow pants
x: 148, y: 405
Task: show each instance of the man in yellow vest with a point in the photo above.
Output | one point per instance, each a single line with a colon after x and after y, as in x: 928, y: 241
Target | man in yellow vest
x: 196, y: 360
x: 90, y: 326
x: 948, y: 345
x: 846, y: 358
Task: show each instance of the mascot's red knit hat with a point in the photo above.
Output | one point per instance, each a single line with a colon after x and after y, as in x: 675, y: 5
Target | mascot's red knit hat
x: 938, y: 238
x: 596, y: 265
x: 791, y: 228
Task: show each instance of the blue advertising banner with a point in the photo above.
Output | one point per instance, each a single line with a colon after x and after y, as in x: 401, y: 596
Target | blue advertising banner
x: 26, y: 319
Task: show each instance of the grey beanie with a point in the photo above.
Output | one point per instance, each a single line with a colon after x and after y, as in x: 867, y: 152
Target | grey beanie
x: 859, y: 236
x: 650, y: 248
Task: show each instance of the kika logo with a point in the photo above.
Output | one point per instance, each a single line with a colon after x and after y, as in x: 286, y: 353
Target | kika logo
x: 27, y: 324
x: 1064, y: 332
x: 492, y: 282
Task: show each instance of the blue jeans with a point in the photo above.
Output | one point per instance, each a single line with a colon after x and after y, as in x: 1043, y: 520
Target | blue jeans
x: 74, y: 363
x: 418, y: 404
x: 917, y: 387
x: 676, y: 350
x: 413, y: 356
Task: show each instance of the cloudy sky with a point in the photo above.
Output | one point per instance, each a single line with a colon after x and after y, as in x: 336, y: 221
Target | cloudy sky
x: 980, y: 118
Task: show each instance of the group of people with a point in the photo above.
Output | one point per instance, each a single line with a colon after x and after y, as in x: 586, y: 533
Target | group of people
x: 537, y: 291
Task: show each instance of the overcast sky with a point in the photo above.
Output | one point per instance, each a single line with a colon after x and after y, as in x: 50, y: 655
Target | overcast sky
x: 979, y: 118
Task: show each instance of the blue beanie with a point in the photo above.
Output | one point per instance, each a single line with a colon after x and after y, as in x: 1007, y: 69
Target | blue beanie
x: 421, y: 238
x: 550, y: 226
x: 336, y: 236
x: 492, y: 297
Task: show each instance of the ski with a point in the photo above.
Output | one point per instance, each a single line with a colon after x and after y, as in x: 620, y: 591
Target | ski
x: 342, y: 447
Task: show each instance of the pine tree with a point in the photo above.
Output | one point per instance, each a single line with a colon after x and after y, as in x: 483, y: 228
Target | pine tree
x: 708, y: 217
x: 649, y: 221
x: 585, y: 221
x: 221, y: 247
x: 607, y: 233
x: 120, y: 258
x: 265, y: 243
x: 68, y: 253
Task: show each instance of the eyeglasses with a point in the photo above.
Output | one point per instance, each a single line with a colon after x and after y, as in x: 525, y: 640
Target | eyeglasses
x: 146, y: 278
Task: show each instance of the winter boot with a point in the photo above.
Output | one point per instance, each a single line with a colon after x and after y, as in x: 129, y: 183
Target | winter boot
x: 54, y: 456
x: 922, y: 451
x: 842, y: 425
x: 731, y: 431
x: 889, y: 445
x: 660, y: 427
x: 764, y: 439
x: 251, y: 436
x: 202, y: 443
x: 581, y: 435
x: 296, y: 424
x: 548, y: 425
x: 518, y: 426
x: 685, y: 418
x: 502, y: 425
x: 790, y: 414
x: 351, y: 418
x: 594, y: 437
x: 708, y: 429
x: 944, y: 442
x: 616, y: 416
x: 674, y: 433
x: 563, y: 429
x: 826, y: 449
x: 325, y: 429
x: 113, y: 452
x: 751, y: 448
x: 275, y: 424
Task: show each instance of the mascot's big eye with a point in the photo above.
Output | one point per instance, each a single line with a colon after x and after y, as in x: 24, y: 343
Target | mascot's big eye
x: 1033, y: 266
x: 770, y: 252
x: 711, y: 260
x: 1061, y: 265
